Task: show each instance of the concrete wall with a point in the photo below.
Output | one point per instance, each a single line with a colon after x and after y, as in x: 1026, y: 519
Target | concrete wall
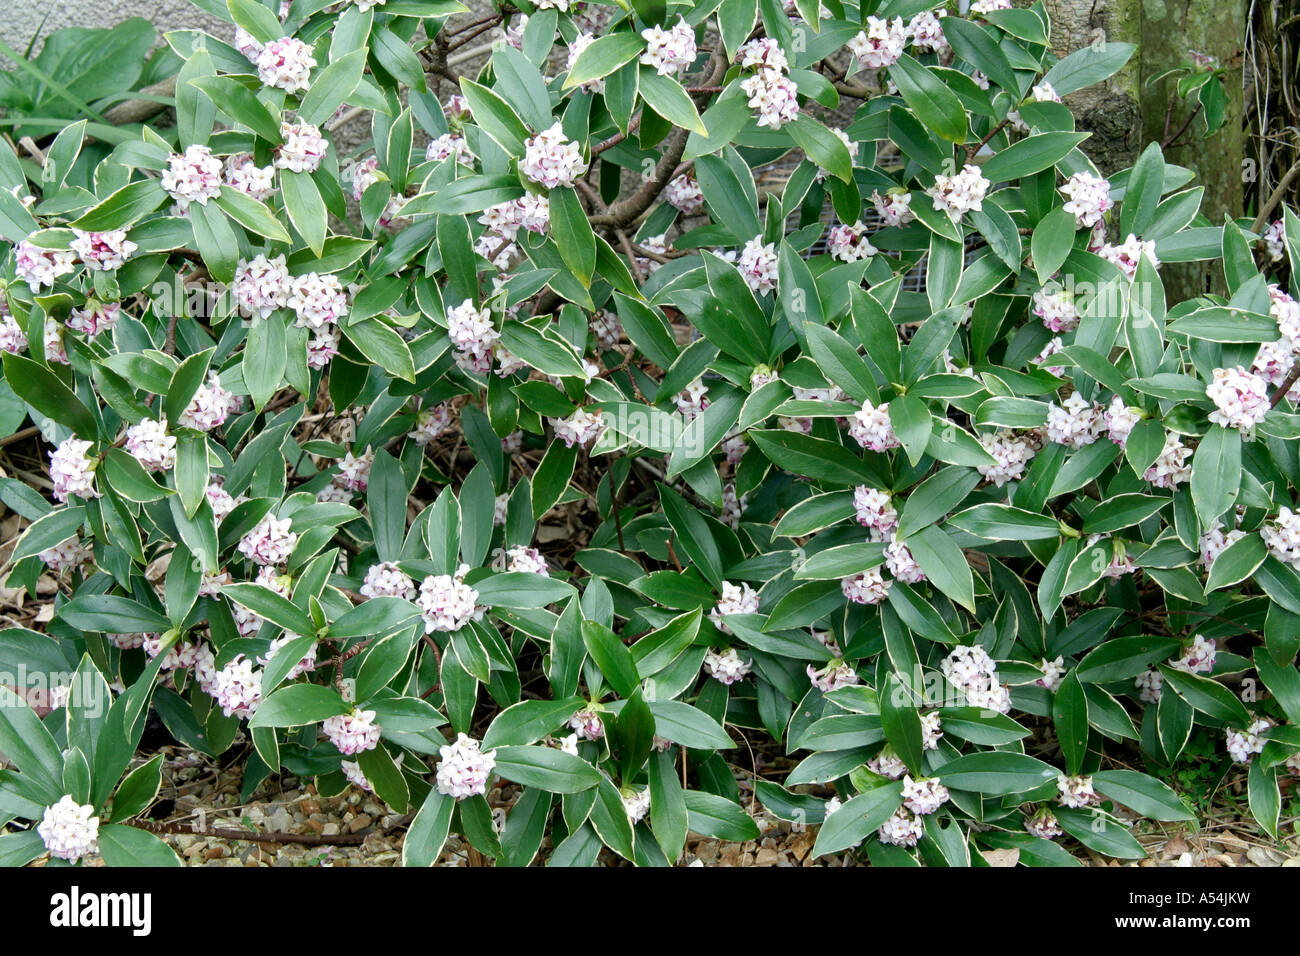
x: 22, y: 18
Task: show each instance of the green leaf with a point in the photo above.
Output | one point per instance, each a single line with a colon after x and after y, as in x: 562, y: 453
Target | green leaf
x: 603, y: 56
x: 689, y: 726
x: 1207, y: 696
x: 858, y: 819
x: 546, y: 768
x: 529, y: 721
x: 666, y: 97
x: 1142, y: 793
x: 711, y: 815
x: 1089, y: 65
x: 1070, y: 718
x: 944, y: 565
x: 611, y: 656
x: 930, y: 99
x: 306, y: 208
x: 1030, y: 155
x: 1216, y: 472
x: 299, y: 704
x: 121, y: 845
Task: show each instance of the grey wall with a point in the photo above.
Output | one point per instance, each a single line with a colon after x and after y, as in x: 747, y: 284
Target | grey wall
x: 20, y: 19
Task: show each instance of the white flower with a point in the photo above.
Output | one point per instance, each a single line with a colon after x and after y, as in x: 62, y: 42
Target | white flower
x: 880, y: 44
x: 980, y: 7
x: 303, y: 148
x: 69, y: 555
x: 317, y: 300
x: 1198, y: 657
x: 1089, y: 198
x: 931, y: 730
x: 1215, y: 540
x: 472, y: 336
x: 1129, y: 253
x: 727, y: 667
x: 871, y: 427
x: 522, y: 560
x: 192, y: 176
x: 850, y: 243
x: 464, y: 768
x: 447, y: 603
x: 1274, y: 240
x: 551, y: 159
x: 448, y: 144
x: 304, y: 663
x: 1281, y: 535
x: 72, y: 470
x: 1055, y: 306
x: 1244, y: 744
x: 354, y: 471
x: 69, y: 830
x: 237, y: 688
x: 95, y: 318
x: 102, y: 251
x: 386, y: 579
x: 669, y: 51
x: 580, y: 43
x: 1120, y: 419
x: 1043, y: 825
x: 887, y: 764
x: 250, y: 179
x: 1075, y: 422
x: 763, y: 53
x: 286, y: 64
x: 902, y: 564
x: 923, y: 796
x: 895, y: 206
x: 581, y: 428
x: 692, y: 400
x: 607, y: 329
x: 970, y: 669
x: 735, y: 599
x: 352, y: 733
x: 220, y: 500
x: 1044, y: 92
x: 960, y: 193
x: 40, y: 267
x: 773, y: 96
x: 587, y: 724
x: 150, y: 445
x: 838, y: 673
x: 902, y: 829
x: 1053, y: 673
x: 685, y: 194
x: 1076, y: 792
x: 636, y: 803
x: 926, y: 32
x: 1240, y: 398
x: 1011, y: 454
x: 262, y: 285
x: 431, y: 423
x: 210, y: 406
x: 1149, y: 685
x: 875, y: 511
x: 1171, y: 465
x: 866, y: 587
x: 270, y: 543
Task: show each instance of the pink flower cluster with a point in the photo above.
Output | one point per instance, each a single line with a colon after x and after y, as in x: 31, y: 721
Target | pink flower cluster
x: 352, y: 733
x: 192, y: 176
x: 880, y: 44
x: 669, y: 51
x: 551, y: 159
